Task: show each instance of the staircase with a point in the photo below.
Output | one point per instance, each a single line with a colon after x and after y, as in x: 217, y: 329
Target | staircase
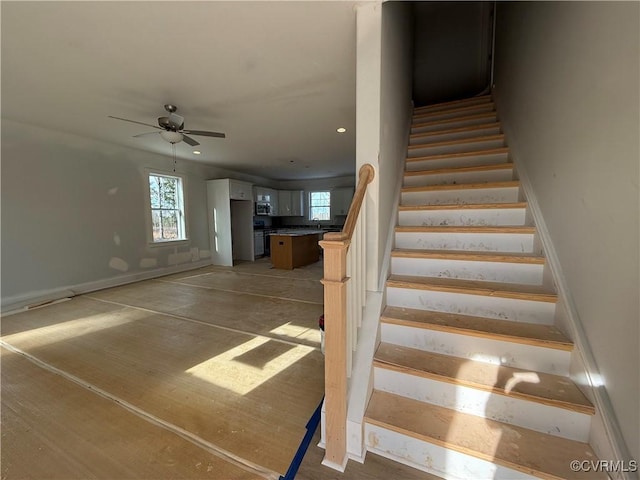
x: 471, y: 376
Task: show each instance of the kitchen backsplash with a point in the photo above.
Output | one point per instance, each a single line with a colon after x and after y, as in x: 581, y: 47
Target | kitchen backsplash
x: 338, y: 221
x: 295, y: 222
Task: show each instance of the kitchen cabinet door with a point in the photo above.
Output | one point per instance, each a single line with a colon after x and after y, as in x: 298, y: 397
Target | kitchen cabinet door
x: 290, y: 203
x: 259, y: 193
x: 297, y: 203
x: 273, y: 195
x: 240, y: 190
x: 341, y: 200
x: 284, y: 203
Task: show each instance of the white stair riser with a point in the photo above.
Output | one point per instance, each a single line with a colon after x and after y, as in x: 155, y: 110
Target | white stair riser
x: 442, y: 137
x: 464, y: 161
x: 536, y: 416
x: 436, y: 116
x: 434, y: 459
x: 487, y: 350
x: 480, y: 242
x: 441, y: 108
x: 525, y: 273
x: 418, y: 126
x: 455, y: 148
x: 463, y: 217
x: 516, y: 310
x: 461, y: 196
x: 482, y: 176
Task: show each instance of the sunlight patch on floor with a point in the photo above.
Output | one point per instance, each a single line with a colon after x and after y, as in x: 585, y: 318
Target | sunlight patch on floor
x: 228, y: 370
x: 42, y: 336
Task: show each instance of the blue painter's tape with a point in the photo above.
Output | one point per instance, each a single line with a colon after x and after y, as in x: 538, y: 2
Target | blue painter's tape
x: 312, y: 425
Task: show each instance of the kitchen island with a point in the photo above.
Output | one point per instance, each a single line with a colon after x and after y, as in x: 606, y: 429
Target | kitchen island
x: 295, y: 249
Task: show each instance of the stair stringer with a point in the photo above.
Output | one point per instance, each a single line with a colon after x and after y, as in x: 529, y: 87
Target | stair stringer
x: 605, y: 436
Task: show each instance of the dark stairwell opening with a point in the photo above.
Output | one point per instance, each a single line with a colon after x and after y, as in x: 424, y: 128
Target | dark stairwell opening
x: 452, y: 50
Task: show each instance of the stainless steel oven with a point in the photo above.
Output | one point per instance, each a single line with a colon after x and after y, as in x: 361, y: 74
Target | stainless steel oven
x: 267, y: 241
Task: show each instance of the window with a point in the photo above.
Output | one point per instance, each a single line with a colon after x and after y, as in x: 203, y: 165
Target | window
x: 167, y: 208
x: 320, y: 205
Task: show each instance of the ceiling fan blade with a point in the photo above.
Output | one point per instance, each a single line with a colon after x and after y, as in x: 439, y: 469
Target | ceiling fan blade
x: 205, y: 133
x: 133, y: 121
x: 190, y: 141
x: 176, y: 121
x: 145, y: 134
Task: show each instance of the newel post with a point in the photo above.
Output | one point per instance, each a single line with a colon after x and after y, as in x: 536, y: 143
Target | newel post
x: 335, y: 347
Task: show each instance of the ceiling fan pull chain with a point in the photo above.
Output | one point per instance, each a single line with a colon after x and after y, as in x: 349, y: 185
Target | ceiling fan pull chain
x: 173, y: 148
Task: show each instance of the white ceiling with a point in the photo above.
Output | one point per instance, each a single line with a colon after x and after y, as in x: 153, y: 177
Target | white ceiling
x: 277, y: 77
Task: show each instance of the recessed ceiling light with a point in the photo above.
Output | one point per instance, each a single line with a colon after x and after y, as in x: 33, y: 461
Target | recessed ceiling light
x: 341, y: 130
x: 196, y: 152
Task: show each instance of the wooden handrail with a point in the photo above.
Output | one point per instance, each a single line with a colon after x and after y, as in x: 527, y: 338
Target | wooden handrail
x: 338, y: 325
x: 365, y: 176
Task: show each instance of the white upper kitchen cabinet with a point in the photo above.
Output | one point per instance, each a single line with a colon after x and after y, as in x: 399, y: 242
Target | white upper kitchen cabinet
x: 290, y: 203
x: 275, y: 204
x: 240, y: 190
x: 341, y: 200
x: 297, y: 203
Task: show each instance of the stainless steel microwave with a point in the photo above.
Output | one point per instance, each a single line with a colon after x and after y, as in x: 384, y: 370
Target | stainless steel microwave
x: 263, y: 208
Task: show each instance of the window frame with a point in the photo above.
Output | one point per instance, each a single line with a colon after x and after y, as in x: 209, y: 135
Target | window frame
x: 182, y: 209
x: 311, y: 206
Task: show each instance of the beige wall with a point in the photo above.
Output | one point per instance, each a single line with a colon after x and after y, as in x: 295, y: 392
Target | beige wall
x: 567, y: 87
x: 395, y: 112
x: 74, y: 213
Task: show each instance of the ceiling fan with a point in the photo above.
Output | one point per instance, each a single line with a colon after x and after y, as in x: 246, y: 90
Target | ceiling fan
x: 171, y: 128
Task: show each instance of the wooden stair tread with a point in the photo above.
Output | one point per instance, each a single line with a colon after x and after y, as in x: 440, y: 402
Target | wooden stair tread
x: 481, y: 98
x: 477, y: 168
x: 544, y: 388
x: 518, y: 291
x: 462, y: 206
x: 514, y: 447
x: 462, y: 186
x: 444, y: 121
x: 441, y: 156
x: 469, y: 128
x: 460, y: 141
x: 517, y: 332
x: 465, y: 229
x: 467, y: 108
x: 507, y: 257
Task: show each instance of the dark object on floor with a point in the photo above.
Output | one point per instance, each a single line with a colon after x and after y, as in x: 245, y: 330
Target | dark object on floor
x: 312, y: 425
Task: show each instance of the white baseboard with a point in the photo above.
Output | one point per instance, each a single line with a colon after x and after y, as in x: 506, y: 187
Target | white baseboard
x: 599, y: 396
x: 18, y: 303
x: 606, y: 422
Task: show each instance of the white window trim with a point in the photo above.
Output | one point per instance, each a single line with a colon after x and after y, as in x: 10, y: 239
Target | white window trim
x: 309, y: 219
x: 147, y: 213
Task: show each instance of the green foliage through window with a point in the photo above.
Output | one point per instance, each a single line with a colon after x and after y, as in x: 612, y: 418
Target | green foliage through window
x: 320, y: 206
x: 167, y: 208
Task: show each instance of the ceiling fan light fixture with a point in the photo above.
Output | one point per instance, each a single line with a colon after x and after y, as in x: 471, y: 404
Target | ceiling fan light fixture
x: 171, y: 136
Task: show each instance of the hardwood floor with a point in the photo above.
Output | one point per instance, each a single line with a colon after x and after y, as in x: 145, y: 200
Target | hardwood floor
x: 211, y: 373
x: 54, y: 428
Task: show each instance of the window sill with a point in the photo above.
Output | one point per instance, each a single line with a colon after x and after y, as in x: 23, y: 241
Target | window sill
x: 169, y: 243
